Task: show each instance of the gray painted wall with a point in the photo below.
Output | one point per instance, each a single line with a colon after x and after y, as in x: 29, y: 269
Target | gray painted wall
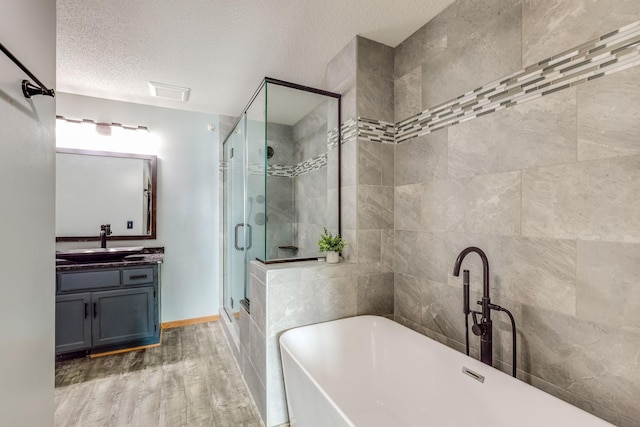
x: 549, y: 189
x: 188, y: 159
x: 27, y: 174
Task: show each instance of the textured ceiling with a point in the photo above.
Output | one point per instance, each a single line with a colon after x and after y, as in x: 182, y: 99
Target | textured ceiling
x: 221, y: 49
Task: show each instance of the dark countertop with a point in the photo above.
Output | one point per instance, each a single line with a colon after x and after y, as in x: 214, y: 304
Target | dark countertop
x: 148, y: 256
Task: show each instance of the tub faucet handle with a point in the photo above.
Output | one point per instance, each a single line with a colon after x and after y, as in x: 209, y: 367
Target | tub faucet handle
x: 478, y: 328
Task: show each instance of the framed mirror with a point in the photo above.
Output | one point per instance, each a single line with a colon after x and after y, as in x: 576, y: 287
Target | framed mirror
x: 99, y: 187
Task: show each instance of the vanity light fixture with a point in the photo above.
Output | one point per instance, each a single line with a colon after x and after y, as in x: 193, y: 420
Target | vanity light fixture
x: 103, y: 128
x: 173, y: 93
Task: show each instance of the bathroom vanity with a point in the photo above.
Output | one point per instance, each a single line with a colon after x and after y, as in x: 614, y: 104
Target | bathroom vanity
x: 107, y: 306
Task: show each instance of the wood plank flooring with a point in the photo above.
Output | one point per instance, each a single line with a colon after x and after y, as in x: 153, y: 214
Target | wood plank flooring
x: 191, y: 380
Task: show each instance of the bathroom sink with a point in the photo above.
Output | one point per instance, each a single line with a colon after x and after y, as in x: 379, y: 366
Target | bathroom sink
x: 98, y: 254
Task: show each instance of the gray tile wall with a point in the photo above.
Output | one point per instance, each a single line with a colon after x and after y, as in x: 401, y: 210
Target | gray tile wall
x: 312, y: 195
x: 341, y: 78
x: 302, y: 196
x: 549, y: 189
x: 469, y: 44
x: 280, y: 192
x: 374, y: 177
x: 604, y: 55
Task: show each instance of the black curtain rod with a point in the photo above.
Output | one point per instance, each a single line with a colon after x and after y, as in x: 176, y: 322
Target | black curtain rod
x: 28, y: 89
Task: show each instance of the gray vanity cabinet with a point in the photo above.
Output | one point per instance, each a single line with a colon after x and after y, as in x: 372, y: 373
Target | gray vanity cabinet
x: 107, y: 308
x: 73, y: 322
x: 123, y: 315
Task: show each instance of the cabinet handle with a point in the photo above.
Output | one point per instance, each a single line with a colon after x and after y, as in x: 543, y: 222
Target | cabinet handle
x: 95, y: 310
x: 139, y: 276
x: 86, y: 310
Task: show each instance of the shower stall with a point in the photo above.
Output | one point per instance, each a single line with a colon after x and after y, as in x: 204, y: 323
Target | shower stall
x: 281, y: 182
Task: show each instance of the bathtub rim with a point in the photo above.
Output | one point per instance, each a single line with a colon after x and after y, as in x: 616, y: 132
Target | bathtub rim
x: 308, y: 375
x: 394, y: 324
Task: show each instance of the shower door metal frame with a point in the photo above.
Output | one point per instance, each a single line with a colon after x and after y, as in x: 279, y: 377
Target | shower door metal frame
x: 226, y: 200
x: 245, y: 303
x: 339, y: 147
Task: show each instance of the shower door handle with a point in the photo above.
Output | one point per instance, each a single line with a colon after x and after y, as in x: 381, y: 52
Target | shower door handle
x: 235, y: 234
x: 249, y: 244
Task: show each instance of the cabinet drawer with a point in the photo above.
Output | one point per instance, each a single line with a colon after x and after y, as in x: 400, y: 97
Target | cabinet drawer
x: 88, y: 280
x: 137, y: 276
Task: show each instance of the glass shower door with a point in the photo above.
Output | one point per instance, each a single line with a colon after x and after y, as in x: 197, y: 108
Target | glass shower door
x: 255, y: 173
x: 280, y: 183
x: 235, y: 232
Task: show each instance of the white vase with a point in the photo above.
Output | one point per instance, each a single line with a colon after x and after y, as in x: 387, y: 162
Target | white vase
x: 333, y: 257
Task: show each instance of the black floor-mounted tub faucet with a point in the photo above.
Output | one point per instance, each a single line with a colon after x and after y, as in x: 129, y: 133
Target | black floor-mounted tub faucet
x: 484, y: 327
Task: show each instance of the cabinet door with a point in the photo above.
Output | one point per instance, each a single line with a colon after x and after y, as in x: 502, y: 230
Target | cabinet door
x: 73, y: 322
x: 123, y: 315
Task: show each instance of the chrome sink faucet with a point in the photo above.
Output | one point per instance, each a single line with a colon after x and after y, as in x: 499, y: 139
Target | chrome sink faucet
x: 105, y: 231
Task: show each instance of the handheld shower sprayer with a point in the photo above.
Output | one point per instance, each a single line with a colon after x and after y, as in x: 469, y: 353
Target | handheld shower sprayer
x: 465, y: 306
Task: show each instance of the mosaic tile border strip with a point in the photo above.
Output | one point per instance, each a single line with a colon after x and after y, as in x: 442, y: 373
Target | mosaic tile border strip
x: 610, y: 53
x: 349, y: 131
x: 363, y: 128
x: 332, y: 139
x: 311, y: 165
x: 279, y: 170
x: 287, y: 171
x: 376, y: 131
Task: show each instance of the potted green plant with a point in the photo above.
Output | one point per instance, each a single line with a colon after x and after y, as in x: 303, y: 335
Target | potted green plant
x: 332, y: 245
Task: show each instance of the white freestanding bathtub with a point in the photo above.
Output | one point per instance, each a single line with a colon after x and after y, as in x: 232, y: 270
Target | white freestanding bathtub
x: 369, y: 371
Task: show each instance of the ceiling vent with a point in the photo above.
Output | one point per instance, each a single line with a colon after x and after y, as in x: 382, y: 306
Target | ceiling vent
x: 165, y: 91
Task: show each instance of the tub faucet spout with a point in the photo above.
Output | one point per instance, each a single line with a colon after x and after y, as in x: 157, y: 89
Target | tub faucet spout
x: 483, y: 327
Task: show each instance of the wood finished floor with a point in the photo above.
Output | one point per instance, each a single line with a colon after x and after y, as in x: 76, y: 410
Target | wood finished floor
x: 191, y: 380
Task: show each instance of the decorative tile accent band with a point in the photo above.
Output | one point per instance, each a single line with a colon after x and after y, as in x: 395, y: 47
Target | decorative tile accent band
x: 363, y: 128
x: 287, y: 171
x: 278, y: 170
x: 610, y: 53
x: 348, y: 130
x: 307, y: 166
x: 376, y: 131
x: 332, y: 139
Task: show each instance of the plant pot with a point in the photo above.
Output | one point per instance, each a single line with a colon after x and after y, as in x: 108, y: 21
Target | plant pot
x: 333, y: 257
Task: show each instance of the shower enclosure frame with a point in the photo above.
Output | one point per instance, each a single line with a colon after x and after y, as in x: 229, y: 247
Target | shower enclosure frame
x: 244, y: 302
